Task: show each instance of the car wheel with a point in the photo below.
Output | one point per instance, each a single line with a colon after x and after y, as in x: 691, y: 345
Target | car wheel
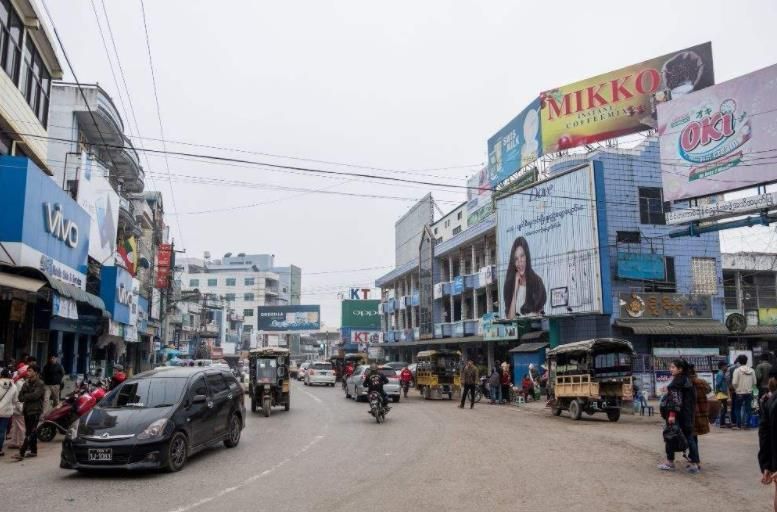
x: 395, y: 399
x: 177, y: 452
x: 233, y: 431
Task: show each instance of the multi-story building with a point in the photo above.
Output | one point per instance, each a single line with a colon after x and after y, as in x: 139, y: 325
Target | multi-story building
x: 244, y: 282
x: 662, y: 293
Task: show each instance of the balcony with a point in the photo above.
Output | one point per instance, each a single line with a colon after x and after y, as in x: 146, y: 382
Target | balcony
x: 443, y: 330
x: 143, y: 213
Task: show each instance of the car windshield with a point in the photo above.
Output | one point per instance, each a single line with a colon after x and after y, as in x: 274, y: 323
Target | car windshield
x: 146, y: 393
x: 266, y: 368
x: 322, y: 366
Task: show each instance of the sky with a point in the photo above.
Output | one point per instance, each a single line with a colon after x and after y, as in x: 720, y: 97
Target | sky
x: 404, y: 89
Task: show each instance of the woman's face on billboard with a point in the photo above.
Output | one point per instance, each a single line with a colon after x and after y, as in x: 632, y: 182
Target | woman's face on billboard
x: 519, y: 260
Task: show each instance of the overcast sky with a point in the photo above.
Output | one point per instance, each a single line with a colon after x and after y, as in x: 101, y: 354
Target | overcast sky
x: 416, y: 87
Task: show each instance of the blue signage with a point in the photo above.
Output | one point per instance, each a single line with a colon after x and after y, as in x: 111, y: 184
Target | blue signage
x: 41, y: 224
x: 458, y: 285
x: 516, y: 145
x: 288, y: 318
x: 641, y: 266
x: 116, y: 292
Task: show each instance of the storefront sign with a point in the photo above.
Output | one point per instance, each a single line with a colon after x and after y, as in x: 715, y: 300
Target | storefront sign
x: 164, y: 265
x: 116, y: 290
x: 767, y: 316
x: 362, y: 314
x: 18, y: 308
x: 97, y: 197
x: 623, y: 101
x: 662, y: 381
x: 63, y: 307
x: 649, y: 306
x: 723, y: 209
x: 42, y: 227
x: 640, y: 266
x: 366, y: 337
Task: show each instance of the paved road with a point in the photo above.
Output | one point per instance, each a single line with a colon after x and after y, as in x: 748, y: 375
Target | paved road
x: 328, y: 454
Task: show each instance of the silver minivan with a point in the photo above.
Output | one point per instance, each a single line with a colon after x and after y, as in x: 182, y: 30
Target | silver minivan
x: 354, y: 386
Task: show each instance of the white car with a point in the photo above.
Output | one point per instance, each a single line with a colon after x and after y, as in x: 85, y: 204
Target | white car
x: 320, y: 372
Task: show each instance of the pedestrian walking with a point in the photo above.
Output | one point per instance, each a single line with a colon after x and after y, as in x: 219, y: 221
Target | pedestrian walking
x: 701, y: 416
x: 17, y: 420
x: 53, y: 375
x: 495, y: 385
x: 31, y: 397
x: 762, y: 375
x: 8, y: 394
x: 721, y: 392
x: 469, y: 377
x: 743, y: 381
x: 767, y: 436
x: 505, y: 384
x: 677, y: 408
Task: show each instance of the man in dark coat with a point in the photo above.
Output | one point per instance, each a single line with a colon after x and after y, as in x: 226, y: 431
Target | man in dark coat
x: 31, y: 396
x: 53, y: 374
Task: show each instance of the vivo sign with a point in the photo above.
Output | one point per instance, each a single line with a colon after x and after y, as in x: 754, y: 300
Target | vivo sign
x: 59, y: 227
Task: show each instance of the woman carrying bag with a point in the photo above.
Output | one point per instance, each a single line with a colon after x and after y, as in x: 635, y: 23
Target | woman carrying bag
x: 678, y: 409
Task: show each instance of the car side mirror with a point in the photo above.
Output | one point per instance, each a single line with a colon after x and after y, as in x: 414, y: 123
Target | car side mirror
x: 199, y: 399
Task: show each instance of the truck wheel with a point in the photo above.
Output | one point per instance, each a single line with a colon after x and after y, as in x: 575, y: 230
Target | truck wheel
x: 266, y: 407
x: 613, y: 414
x: 556, y: 408
x: 575, y: 409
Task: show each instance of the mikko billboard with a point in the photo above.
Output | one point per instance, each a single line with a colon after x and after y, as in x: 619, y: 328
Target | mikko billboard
x: 288, y: 318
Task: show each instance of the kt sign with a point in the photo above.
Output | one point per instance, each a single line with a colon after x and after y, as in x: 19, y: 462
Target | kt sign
x: 365, y: 293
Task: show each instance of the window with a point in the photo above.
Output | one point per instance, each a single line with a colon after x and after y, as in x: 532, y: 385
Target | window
x: 705, y: 277
x: 229, y: 297
x: 248, y: 297
x: 249, y: 281
x: 628, y: 237
x: 248, y: 312
x: 213, y: 282
x: 438, y: 241
x: 457, y: 230
x: 10, y: 40
x: 459, y: 216
x: 447, y: 223
x: 199, y: 387
x: 231, y: 281
x: 669, y: 285
x: 651, y: 206
x: 435, y: 231
x: 216, y: 383
x: 194, y: 283
x: 34, y: 81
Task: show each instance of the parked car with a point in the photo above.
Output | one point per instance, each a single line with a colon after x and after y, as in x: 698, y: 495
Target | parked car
x: 301, y: 373
x: 157, y: 419
x: 354, y: 387
x: 397, y: 365
x: 320, y: 372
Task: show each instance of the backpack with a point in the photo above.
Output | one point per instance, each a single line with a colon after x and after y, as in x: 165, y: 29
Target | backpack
x: 675, y: 439
x: 672, y: 401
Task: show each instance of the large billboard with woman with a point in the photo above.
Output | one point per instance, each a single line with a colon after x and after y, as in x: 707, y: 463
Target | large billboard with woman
x: 548, y: 258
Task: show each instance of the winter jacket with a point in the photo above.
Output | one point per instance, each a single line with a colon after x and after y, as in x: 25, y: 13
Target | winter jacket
x: 469, y: 375
x: 53, y: 374
x: 701, y: 421
x: 743, y: 380
x: 505, y: 379
x: 495, y: 379
x: 762, y: 374
x: 683, y: 388
x: 406, y: 376
x: 721, y: 383
x: 767, y: 436
x: 8, y: 394
x: 32, y: 397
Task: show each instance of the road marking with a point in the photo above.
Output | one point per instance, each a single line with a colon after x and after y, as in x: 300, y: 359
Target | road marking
x: 314, y: 397
x: 250, y: 479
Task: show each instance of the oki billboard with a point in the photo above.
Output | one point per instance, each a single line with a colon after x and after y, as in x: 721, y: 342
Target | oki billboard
x: 716, y: 140
x: 623, y: 101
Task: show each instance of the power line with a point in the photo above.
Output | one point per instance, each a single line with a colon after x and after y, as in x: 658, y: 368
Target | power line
x: 159, y: 118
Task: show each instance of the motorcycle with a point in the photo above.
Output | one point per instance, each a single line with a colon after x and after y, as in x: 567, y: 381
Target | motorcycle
x: 377, y: 409
x: 75, y: 405
x: 405, y: 387
x: 482, y: 390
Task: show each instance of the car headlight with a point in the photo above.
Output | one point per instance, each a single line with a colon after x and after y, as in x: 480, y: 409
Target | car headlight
x: 154, y: 430
x: 72, y: 431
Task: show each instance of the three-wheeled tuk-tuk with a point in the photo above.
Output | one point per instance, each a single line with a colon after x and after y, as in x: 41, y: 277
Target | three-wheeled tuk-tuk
x: 438, y: 373
x: 269, y: 380
x: 591, y: 376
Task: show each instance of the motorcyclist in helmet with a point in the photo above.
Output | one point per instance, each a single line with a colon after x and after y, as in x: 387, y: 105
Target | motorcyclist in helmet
x: 374, y: 381
x: 118, y: 376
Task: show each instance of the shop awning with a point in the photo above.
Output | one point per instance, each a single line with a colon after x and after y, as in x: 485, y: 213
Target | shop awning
x: 27, y: 284
x: 434, y: 342
x: 529, y: 347
x: 533, y: 336
x: 675, y: 327
x: 757, y: 331
x: 75, y: 293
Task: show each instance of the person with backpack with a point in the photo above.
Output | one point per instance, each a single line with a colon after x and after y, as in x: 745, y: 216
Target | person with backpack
x: 721, y: 393
x: 678, y: 410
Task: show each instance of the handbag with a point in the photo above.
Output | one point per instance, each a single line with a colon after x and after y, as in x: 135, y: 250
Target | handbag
x: 675, y: 439
x: 721, y: 396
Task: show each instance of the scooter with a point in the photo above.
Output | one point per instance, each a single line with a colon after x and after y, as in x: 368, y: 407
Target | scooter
x: 75, y: 405
x: 377, y: 409
x: 405, y: 387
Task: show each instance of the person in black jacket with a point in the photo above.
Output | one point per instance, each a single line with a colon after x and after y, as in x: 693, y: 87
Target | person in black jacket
x: 53, y: 375
x: 681, y: 399
x: 374, y: 380
x: 31, y: 396
x: 767, y: 435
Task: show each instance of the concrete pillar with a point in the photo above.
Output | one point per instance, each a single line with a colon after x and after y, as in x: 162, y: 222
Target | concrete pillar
x: 474, y: 270
x: 75, y: 353
x: 88, y: 356
x: 58, y: 350
x: 450, y: 278
x: 740, y: 298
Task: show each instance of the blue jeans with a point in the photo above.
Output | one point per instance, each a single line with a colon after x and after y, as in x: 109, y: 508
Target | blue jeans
x: 3, y: 428
x: 496, y: 392
x: 745, y: 409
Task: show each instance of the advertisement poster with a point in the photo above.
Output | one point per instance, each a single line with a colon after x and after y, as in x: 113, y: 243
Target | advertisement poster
x: 101, y: 202
x: 623, y: 101
x: 288, y: 318
x: 715, y: 140
x: 366, y: 337
x: 663, y: 379
x: 548, y: 248
x: 479, y: 205
x: 515, y: 145
x: 361, y: 314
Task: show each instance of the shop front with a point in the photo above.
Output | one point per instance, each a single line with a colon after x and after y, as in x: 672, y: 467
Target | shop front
x: 44, y: 240
x: 119, y: 291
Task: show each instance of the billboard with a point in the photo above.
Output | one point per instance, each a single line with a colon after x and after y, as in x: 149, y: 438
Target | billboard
x: 101, y: 202
x: 479, y: 205
x: 361, y: 314
x: 712, y: 141
x: 288, y: 318
x: 623, y: 101
x: 548, y: 248
x: 515, y: 145
x: 407, y: 230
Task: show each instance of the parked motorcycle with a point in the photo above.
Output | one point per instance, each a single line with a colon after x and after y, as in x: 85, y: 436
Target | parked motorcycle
x: 75, y: 405
x: 377, y: 409
x: 482, y: 390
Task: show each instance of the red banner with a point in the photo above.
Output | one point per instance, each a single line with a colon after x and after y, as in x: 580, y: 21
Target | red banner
x: 162, y: 278
x: 164, y: 255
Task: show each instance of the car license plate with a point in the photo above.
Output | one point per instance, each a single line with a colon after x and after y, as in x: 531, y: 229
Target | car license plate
x: 100, y: 454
